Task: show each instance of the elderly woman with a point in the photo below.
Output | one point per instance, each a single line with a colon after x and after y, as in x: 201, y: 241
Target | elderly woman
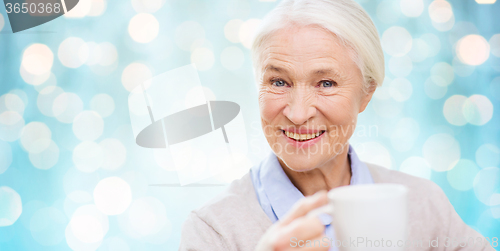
x: 318, y: 63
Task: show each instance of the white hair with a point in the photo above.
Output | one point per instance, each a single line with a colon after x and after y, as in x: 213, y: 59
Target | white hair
x: 344, y: 18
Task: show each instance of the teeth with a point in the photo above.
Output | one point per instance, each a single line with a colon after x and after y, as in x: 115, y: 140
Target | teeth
x: 302, y: 137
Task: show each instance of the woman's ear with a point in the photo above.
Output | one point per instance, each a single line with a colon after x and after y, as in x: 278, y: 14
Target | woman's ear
x: 367, y: 95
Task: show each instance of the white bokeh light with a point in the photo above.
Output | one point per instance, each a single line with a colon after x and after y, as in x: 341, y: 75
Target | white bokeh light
x: 5, y: 156
x: 232, y: 58
x: 473, y: 49
x: 88, y: 156
x: 148, y: 6
x: 11, y: 102
x: 478, y: 110
x: 446, y: 26
x: 495, y: 88
x: 2, y: 22
x: 80, y: 10
x: 495, y: 45
x: 433, y: 90
x: 488, y: 155
x: 112, y: 196
x: 74, y: 200
x: 47, y: 158
x: 374, y: 152
x: 147, y: 216
x: 103, y: 104
x: 35, y: 137
x: 433, y: 42
x: 66, y: 107
x: 9, y: 214
x: 97, y: 8
x: 247, y: 31
x: 416, y: 166
x: 396, y: 41
x: 441, y: 151
x: 232, y: 30
x: 46, y: 97
x: 440, y: 11
x: 486, y: 183
x: 400, y: 66
x: 95, y: 53
x: 11, y: 121
x: 11, y: 125
x: 35, y: 80
x: 495, y: 205
x: 143, y: 28
x: 203, y: 59
x: 201, y: 43
x: 187, y: 33
x: 88, y: 126
x: 419, y: 50
x: 77, y: 245
x: 388, y: 11
x: 452, y: 110
x: 88, y: 225
x: 444, y: 72
x: 135, y: 74
x: 115, y: 154
x: 37, y: 59
x: 109, y: 54
x: 400, y: 89
x: 73, y: 52
x: 76, y: 180
x: 383, y: 92
x: 461, y: 176
x: 387, y: 108
x: 412, y: 8
x: 20, y: 94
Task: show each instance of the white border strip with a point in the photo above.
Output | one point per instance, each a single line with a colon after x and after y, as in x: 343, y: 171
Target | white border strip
x: 64, y: 6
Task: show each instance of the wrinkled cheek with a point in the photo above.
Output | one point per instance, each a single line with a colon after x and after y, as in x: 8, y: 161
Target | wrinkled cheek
x: 268, y: 114
x: 269, y: 105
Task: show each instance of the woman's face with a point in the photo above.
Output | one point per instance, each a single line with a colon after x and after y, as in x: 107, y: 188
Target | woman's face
x: 310, y: 94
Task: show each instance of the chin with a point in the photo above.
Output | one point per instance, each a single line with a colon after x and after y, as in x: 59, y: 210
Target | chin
x: 300, y: 162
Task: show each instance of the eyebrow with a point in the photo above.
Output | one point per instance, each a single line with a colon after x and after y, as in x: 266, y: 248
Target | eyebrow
x: 326, y: 71
x: 274, y: 68
x: 317, y: 72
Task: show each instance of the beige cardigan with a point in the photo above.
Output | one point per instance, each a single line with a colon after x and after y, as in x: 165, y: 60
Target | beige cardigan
x: 234, y: 219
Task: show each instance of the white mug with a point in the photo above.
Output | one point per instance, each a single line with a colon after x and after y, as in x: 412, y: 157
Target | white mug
x: 368, y: 217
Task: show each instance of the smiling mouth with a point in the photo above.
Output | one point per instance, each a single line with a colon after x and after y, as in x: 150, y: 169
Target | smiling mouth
x: 302, y: 137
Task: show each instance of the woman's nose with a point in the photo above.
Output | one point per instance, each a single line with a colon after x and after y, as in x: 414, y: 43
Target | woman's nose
x: 300, y: 107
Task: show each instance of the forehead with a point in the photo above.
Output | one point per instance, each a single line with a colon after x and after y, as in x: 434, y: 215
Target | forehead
x: 307, y: 48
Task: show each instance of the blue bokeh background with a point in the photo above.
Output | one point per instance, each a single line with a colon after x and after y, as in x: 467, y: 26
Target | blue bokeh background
x: 436, y: 115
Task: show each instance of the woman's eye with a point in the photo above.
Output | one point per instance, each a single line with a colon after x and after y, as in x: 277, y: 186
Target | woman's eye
x: 328, y: 83
x: 279, y: 83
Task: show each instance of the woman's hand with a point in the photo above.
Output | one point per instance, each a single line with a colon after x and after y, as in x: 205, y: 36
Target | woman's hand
x: 295, y: 226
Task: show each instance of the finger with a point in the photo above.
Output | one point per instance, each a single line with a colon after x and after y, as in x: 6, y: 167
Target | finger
x: 304, y: 205
x: 305, y: 227
x: 319, y: 243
